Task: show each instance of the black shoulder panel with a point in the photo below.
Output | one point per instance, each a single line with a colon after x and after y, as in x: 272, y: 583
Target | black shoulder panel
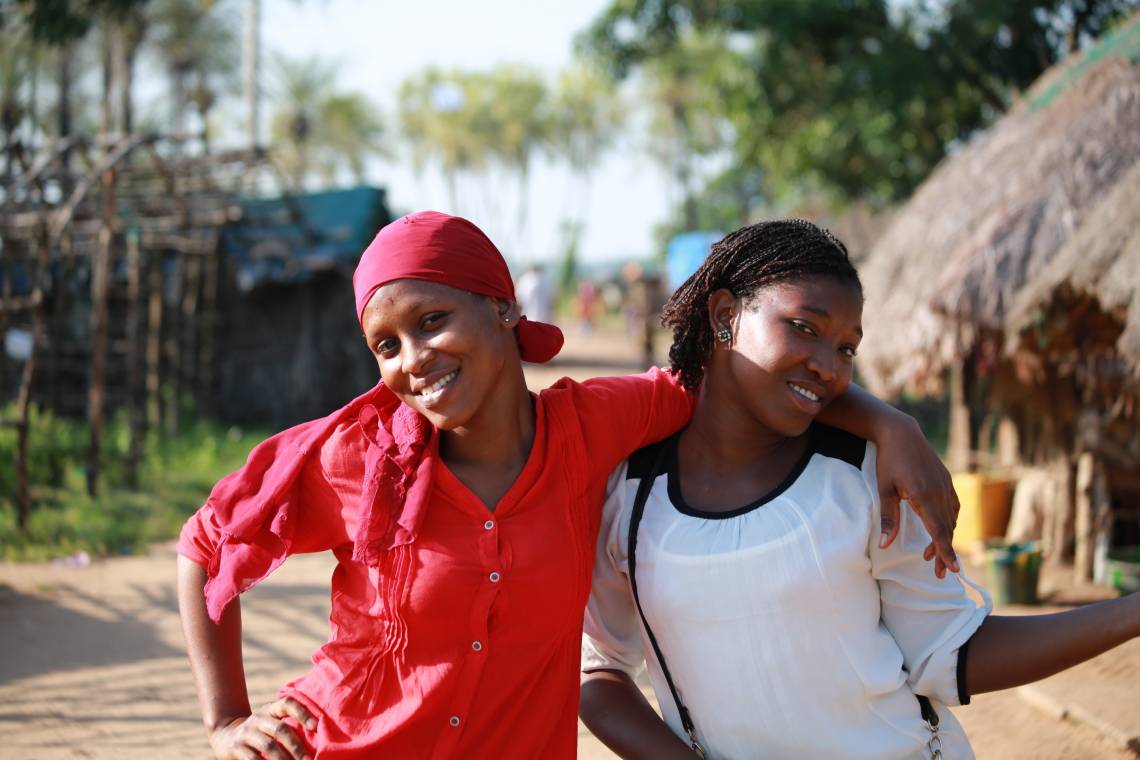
x: 641, y: 461
x: 838, y: 444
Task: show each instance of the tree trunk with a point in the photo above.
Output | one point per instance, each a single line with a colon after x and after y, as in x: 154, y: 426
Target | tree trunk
x: 107, y: 110
x: 251, y: 65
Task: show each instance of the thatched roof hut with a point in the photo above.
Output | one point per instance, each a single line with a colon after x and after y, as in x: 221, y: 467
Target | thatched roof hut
x: 1014, y: 272
x: 1096, y: 273
x: 993, y: 216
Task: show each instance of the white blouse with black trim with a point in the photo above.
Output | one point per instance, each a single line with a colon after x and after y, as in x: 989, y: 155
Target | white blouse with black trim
x: 788, y: 632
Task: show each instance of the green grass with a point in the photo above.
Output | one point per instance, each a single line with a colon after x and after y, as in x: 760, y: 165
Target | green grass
x: 175, y: 478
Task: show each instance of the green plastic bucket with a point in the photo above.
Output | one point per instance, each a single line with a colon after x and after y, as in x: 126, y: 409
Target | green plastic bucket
x: 1012, y: 570
x: 1122, y: 566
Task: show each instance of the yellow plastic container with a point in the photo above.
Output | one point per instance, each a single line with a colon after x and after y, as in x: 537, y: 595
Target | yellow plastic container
x: 985, y: 504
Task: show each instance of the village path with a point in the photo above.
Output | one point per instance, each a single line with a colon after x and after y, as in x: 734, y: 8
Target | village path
x: 92, y: 663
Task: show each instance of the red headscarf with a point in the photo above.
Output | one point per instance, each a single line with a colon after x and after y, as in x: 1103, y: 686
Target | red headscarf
x: 452, y: 251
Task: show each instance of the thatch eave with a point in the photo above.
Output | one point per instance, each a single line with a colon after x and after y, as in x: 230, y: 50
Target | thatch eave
x: 1102, y: 261
x: 993, y: 215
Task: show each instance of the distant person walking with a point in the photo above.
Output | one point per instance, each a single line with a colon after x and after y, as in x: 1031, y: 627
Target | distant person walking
x: 642, y: 308
x: 536, y: 297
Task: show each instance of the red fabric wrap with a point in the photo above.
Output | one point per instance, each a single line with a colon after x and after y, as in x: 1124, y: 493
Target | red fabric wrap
x: 256, y: 506
x: 452, y: 251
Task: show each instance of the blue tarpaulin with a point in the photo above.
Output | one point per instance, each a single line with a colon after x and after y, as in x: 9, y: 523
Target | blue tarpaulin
x: 685, y: 253
x: 288, y: 240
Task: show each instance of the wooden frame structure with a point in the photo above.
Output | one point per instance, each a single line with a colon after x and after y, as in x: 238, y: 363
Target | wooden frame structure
x: 110, y: 267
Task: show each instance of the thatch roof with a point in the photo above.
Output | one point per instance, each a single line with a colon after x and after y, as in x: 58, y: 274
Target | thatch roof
x: 1102, y: 262
x: 993, y: 215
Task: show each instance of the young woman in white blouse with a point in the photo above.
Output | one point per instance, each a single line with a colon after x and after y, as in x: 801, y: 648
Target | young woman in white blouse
x: 772, y: 622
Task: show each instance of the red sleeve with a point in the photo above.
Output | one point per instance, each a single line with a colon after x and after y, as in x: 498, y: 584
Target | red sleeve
x: 619, y: 415
x: 323, y: 502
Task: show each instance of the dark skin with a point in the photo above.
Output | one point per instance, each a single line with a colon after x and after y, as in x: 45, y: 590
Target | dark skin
x: 453, y: 356
x: 739, y: 446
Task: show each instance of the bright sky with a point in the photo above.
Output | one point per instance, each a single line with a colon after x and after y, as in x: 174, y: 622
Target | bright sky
x: 379, y: 44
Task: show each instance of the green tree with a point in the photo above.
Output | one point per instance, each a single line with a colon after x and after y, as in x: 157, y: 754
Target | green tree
x: 856, y: 99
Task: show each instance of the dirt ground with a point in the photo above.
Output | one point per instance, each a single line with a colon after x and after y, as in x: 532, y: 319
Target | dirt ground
x: 92, y: 663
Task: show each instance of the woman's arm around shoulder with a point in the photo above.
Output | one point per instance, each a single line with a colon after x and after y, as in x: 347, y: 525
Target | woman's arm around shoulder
x: 909, y: 469
x: 621, y: 414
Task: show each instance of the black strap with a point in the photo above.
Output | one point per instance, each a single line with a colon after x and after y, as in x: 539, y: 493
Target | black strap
x: 643, y: 489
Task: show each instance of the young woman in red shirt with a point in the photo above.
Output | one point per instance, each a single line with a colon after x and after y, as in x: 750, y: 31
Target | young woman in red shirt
x: 463, y: 510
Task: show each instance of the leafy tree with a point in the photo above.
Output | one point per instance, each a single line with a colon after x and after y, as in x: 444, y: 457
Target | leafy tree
x: 857, y: 99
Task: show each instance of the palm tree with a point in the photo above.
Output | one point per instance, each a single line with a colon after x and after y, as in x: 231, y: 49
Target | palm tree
x: 586, y: 117
x: 349, y: 132
x: 443, y: 119
x: 197, y: 41
x: 517, y: 100
x: 318, y: 129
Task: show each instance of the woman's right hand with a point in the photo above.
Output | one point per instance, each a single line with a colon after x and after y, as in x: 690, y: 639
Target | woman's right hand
x: 264, y: 733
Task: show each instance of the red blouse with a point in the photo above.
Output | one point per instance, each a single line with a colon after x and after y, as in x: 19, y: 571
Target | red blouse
x: 466, y: 642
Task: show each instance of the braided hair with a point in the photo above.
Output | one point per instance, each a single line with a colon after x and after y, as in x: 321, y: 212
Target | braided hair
x: 743, y: 262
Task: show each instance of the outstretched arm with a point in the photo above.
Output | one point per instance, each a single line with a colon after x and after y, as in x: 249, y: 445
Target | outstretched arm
x: 908, y: 468
x: 1008, y: 651
x: 616, y: 712
x: 215, y: 658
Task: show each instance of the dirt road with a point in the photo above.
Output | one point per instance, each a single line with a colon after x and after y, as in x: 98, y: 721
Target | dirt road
x: 91, y: 660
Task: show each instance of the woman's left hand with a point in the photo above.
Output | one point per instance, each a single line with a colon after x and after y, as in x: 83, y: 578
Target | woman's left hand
x: 908, y: 468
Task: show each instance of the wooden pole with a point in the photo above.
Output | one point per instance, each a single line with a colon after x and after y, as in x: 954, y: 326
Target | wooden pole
x: 188, y: 345
x: 100, y: 290
x: 958, y: 445
x: 23, y: 400
x: 209, y: 320
x: 154, y: 343
x: 174, y: 355
x: 135, y: 412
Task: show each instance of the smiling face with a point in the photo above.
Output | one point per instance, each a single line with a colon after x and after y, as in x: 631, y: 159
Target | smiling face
x: 791, y: 351
x: 442, y: 350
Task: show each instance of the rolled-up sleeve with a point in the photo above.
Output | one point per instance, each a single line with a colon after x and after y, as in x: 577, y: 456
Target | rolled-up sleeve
x: 931, y: 619
x: 612, y: 639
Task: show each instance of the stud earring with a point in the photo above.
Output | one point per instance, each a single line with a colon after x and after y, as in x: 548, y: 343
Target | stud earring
x: 723, y: 335
x: 506, y: 319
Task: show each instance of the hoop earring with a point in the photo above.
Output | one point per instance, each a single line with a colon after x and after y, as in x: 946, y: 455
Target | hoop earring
x: 724, y: 335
